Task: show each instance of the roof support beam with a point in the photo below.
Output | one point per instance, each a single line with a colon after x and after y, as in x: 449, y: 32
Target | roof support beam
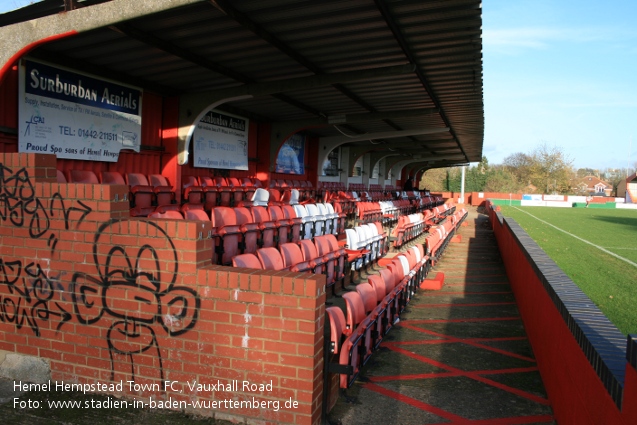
x: 193, y: 106
x: 281, y: 131
x: 328, y: 144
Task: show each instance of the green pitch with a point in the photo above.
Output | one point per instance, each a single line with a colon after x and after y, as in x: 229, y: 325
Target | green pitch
x: 609, y: 281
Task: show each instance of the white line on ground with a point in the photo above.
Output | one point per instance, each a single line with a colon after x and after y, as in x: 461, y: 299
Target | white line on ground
x: 580, y: 239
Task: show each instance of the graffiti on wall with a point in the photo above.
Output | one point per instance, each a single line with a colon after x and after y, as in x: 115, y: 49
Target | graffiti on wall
x: 133, y: 292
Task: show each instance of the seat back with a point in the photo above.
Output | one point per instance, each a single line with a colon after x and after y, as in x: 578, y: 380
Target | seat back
x: 378, y: 284
x: 248, y: 261
x: 174, y: 214
x: 81, y: 176
x: 266, y: 226
x: 196, y: 214
x: 229, y: 232
x: 355, y: 311
x: 61, y: 178
x: 260, y: 197
x: 112, y: 177
x: 249, y: 230
x: 337, y: 326
x: 164, y: 193
x: 295, y: 222
x: 271, y: 259
x: 368, y: 296
x: 192, y: 190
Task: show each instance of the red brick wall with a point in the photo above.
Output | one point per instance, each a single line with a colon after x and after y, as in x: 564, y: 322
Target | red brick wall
x: 107, y: 298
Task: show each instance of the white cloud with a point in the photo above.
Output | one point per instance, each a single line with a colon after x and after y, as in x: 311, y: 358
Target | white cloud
x: 512, y: 40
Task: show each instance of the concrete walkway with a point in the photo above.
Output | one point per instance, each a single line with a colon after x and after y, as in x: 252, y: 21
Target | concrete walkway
x: 459, y: 355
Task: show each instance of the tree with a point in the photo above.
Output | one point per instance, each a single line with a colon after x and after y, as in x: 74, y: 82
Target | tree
x: 551, y: 169
x: 433, y: 180
x: 519, y: 164
x: 502, y: 180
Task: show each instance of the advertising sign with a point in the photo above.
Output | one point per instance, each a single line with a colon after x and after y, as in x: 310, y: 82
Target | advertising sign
x: 221, y: 141
x: 76, y: 116
x: 291, y: 156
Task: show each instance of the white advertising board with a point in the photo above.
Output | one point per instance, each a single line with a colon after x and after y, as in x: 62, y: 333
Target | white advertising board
x: 221, y: 141
x: 76, y: 116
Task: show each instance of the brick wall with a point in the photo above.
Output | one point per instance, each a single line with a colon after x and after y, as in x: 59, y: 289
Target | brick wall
x: 109, y: 299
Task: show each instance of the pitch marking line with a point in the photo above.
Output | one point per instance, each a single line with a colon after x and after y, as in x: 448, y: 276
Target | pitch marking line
x: 580, y: 239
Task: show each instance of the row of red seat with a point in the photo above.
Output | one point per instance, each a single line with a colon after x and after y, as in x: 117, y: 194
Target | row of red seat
x: 409, y: 227
x: 371, y: 311
x: 440, y: 234
x: 323, y: 255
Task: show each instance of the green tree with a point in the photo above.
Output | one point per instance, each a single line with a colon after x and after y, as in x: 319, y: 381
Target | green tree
x: 502, y: 180
x: 551, y: 169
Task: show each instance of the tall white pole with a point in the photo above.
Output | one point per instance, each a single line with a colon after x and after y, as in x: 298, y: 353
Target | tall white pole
x: 461, y: 200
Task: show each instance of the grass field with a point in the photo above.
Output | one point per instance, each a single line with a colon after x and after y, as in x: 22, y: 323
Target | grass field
x: 610, y: 282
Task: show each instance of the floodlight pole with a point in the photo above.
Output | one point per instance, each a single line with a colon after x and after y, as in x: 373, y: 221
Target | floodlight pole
x: 462, y: 186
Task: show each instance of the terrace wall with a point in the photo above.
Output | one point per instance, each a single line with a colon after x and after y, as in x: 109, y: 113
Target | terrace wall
x: 105, y: 298
x: 589, y: 375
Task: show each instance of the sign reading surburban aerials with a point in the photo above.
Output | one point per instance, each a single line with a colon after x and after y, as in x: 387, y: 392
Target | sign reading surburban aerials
x: 76, y: 116
x: 221, y: 141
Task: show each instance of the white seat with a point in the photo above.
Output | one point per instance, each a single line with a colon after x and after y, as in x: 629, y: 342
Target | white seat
x: 294, y: 197
x: 332, y: 216
x: 317, y: 218
x: 327, y: 229
x: 364, y: 242
x: 353, y: 243
x: 307, y: 221
x: 260, y: 197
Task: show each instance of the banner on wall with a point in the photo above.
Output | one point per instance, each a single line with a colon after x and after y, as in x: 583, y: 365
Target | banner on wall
x: 290, y: 159
x: 76, y: 116
x: 221, y: 141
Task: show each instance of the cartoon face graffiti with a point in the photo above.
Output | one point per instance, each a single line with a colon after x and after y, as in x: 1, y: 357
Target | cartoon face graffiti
x: 135, y: 293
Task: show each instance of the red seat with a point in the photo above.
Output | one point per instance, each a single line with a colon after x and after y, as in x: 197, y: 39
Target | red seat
x: 112, y: 177
x: 267, y: 227
x: 229, y: 233
x: 296, y: 222
x: 141, y: 194
x: 249, y: 230
x: 337, y: 326
x: 357, y: 348
x: 195, y: 214
x: 164, y: 193
x: 248, y: 261
x: 283, y: 225
x: 275, y: 196
x: 310, y: 254
x: 224, y: 190
x: 271, y: 259
x: 210, y: 192
x: 237, y: 189
x: 81, y: 176
x: 169, y: 213
x: 60, y: 177
x: 293, y: 258
x: 192, y: 191
x: 248, y: 187
x: 375, y: 311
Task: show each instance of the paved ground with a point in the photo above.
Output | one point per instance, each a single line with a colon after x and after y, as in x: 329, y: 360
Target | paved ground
x: 459, y: 355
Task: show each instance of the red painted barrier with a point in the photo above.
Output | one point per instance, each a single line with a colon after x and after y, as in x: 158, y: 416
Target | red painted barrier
x: 577, y: 393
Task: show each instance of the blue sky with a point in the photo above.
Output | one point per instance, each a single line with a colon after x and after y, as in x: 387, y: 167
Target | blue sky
x: 564, y: 73
x: 556, y: 72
